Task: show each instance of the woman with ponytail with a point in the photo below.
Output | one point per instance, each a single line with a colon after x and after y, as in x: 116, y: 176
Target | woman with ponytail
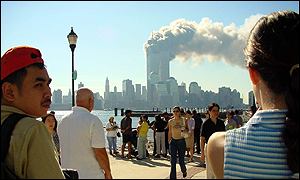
x: 268, y: 145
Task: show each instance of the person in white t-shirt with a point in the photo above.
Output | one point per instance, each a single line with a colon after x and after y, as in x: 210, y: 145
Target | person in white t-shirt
x: 83, y: 141
x: 111, y: 135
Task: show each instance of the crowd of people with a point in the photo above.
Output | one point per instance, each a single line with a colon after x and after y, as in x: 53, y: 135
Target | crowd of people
x: 191, y: 134
x: 264, y: 147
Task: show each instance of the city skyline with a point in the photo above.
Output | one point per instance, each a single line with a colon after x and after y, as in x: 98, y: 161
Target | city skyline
x: 113, y: 38
x: 165, y: 96
x: 111, y: 87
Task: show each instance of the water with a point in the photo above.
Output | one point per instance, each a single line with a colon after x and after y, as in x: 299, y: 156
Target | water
x: 104, y: 116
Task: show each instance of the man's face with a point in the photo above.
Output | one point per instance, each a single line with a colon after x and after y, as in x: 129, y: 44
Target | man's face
x: 214, y: 113
x: 34, y: 98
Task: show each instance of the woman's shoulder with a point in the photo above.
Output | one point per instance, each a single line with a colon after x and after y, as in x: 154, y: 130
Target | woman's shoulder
x: 171, y: 121
x: 215, y: 152
x: 217, y: 136
x: 217, y: 140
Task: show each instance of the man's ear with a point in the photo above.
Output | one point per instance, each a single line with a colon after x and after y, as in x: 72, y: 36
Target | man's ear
x: 254, y: 76
x: 91, y: 103
x: 8, y: 91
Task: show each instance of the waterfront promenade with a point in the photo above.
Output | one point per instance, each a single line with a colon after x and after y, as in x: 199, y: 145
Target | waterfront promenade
x: 152, y: 168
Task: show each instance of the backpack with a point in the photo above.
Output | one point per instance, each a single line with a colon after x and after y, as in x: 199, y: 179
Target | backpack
x: 6, y: 130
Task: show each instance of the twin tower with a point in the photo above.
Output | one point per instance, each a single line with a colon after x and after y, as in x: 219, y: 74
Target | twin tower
x: 158, y: 69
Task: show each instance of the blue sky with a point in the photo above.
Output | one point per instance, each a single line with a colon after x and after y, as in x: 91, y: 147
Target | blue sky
x: 111, y: 38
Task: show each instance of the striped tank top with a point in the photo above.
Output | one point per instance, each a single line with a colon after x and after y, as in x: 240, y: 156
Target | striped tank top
x: 257, y: 150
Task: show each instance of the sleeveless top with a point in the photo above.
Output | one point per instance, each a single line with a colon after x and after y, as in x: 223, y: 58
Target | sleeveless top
x: 257, y: 150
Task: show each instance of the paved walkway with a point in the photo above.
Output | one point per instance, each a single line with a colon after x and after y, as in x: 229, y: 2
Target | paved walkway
x: 152, y: 168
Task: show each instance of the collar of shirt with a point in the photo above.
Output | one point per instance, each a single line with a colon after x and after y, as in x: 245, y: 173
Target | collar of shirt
x: 79, y: 108
x: 271, y: 116
x: 10, y: 109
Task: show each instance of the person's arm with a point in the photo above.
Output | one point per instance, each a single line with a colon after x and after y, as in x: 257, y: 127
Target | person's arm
x: 108, y: 127
x: 122, y: 126
x: 138, y: 129
x: 129, y: 124
x: 241, y: 121
x: 202, y: 144
x: 192, y: 125
x: 215, y: 153
x: 123, y: 123
x: 169, y: 133
x: 117, y: 127
x: 166, y: 125
x: 98, y: 146
x: 154, y: 127
x: 103, y: 161
x: 128, y: 127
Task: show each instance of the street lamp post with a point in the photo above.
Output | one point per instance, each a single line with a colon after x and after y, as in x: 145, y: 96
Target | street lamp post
x: 72, y: 38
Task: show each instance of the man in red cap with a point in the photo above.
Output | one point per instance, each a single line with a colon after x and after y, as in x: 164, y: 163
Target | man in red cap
x: 25, y: 90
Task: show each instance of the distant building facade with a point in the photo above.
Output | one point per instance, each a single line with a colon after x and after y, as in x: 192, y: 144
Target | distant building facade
x: 57, y: 97
x: 80, y: 85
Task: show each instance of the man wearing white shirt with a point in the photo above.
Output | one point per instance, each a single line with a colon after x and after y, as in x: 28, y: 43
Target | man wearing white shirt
x: 83, y: 141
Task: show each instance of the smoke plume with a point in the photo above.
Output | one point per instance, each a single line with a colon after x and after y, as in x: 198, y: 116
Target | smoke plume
x: 206, y: 40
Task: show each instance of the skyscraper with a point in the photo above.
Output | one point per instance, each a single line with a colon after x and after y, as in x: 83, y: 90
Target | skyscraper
x: 251, y: 98
x: 158, y: 69
x: 80, y: 85
x: 107, y: 85
x: 128, y: 92
x: 194, y: 88
x: 159, y: 63
x: 144, y: 93
x: 57, y: 97
x: 106, y: 93
x: 138, y: 91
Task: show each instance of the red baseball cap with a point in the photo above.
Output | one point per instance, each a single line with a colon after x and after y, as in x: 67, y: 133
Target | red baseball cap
x: 17, y: 58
